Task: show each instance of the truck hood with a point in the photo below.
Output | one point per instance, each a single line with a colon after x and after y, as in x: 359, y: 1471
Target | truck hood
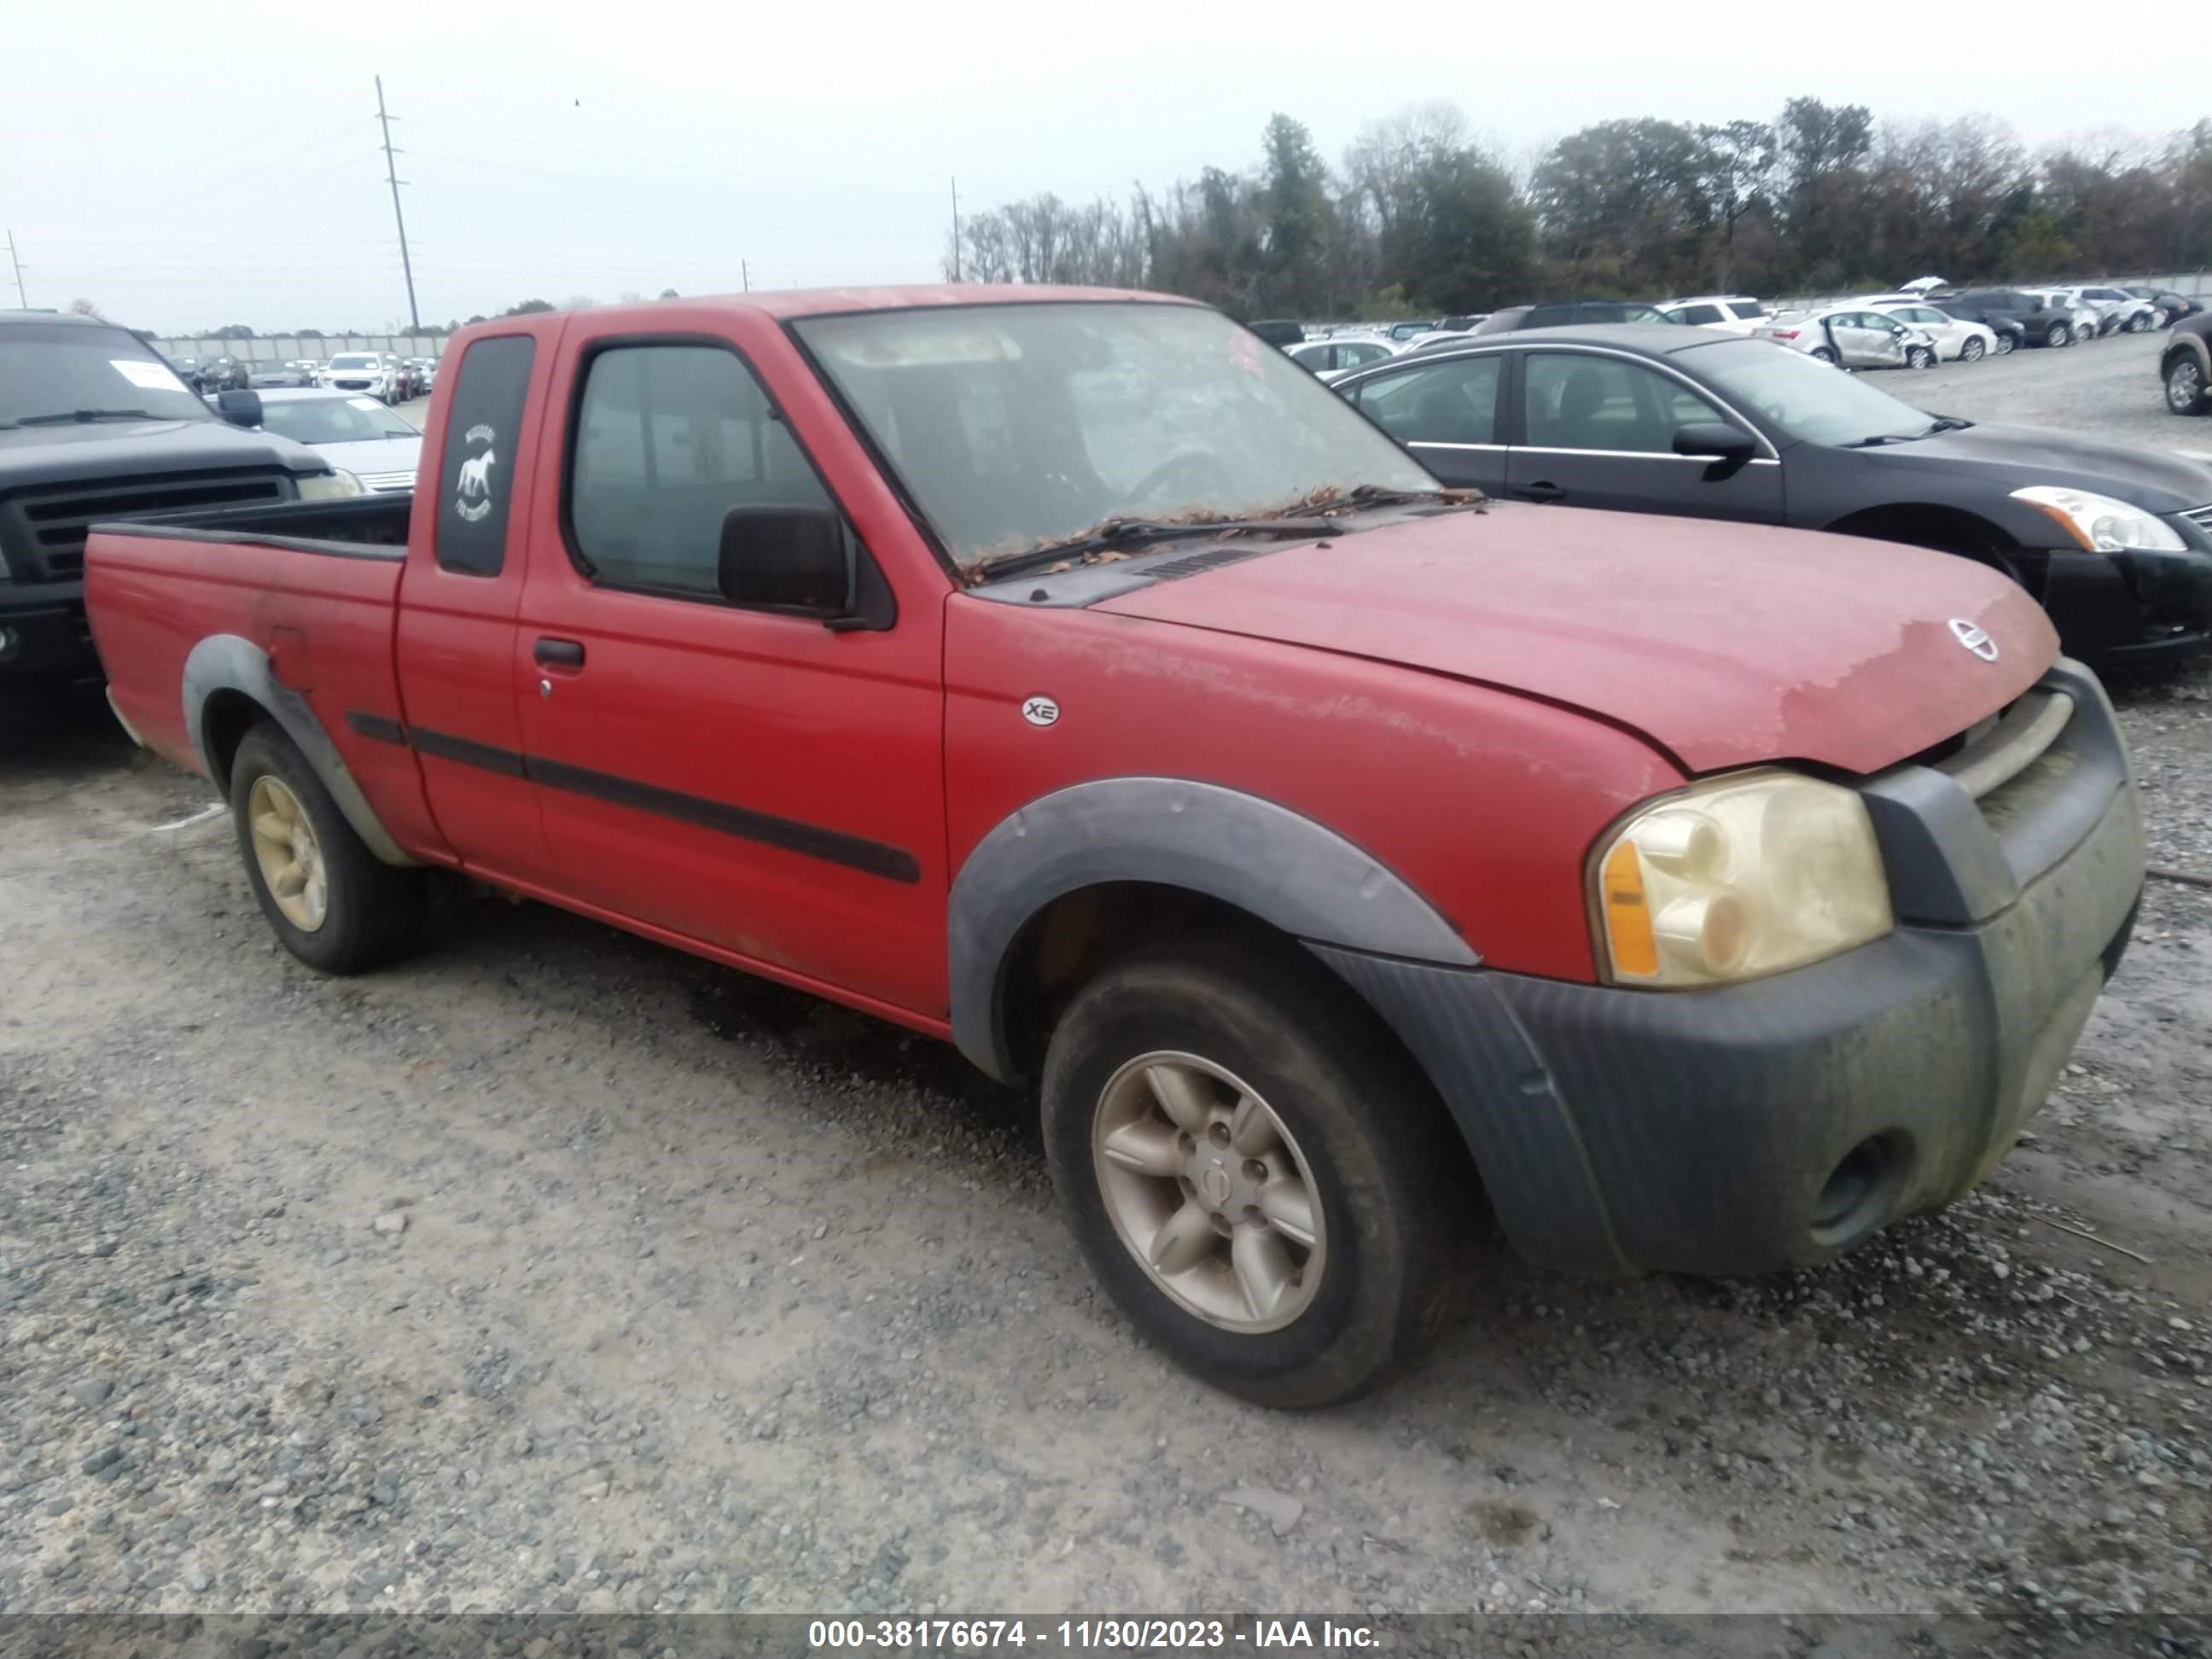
x: 1724, y: 644
x: 2008, y: 457
x: 109, y: 449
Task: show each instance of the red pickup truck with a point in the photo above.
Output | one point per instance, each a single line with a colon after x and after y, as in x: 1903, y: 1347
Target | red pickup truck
x: 1354, y: 866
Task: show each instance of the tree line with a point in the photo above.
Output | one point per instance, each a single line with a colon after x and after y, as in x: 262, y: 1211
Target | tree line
x: 1421, y: 218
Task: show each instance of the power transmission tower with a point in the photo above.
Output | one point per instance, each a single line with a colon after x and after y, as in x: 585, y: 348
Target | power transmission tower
x: 18, y: 265
x: 391, y: 177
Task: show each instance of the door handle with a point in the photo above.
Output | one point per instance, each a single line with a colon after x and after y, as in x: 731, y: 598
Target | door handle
x: 1539, y: 491
x: 559, y: 653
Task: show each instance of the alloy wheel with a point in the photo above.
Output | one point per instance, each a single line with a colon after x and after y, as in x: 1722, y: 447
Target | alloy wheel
x: 2185, y: 387
x: 1209, y: 1191
x: 289, y: 857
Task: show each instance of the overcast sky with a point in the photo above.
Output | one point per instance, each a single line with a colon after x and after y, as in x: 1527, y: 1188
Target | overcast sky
x: 184, y: 167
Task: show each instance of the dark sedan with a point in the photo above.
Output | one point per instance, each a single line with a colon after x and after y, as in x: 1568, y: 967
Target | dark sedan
x: 265, y: 376
x: 2116, y: 541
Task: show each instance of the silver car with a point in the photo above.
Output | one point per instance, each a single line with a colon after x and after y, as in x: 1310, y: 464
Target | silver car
x: 1852, y: 336
x: 351, y: 429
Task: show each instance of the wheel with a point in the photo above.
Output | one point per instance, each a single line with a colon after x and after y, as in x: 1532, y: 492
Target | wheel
x: 1919, y: 357
x: 2138, y: 322
x: 2060, y: 335
x: 1259, y: 1177
x: 2185, y: 390
x: 1971, y: 351
x: 334, y: 904
x: 1821, y: 354
x: 2005, y: 343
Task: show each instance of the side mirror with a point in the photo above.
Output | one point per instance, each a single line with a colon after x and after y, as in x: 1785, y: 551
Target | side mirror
x: 240, y: 408
x: 788, y: 558
x: 1716, y: 441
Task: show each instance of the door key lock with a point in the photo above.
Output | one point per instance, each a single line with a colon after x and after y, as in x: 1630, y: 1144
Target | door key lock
x: 545, y: 688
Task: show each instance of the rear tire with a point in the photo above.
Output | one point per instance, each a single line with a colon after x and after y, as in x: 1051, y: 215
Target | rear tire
x: 2186, y: 392
x: 333, y: 903
x: 2059, y: 334
x: 1153, y: 1061
x: 1822, y: 355
x: 2005, y: 344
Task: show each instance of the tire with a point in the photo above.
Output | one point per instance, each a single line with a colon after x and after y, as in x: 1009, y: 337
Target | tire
x: 2186, y: 392
x: 1971, y: 351
x: 1354, y: 1141
x: 1919, y: 357
x: 2004, y: 344
x: 1822, y: 355
x: 2138, y: 323
x: 2059, y: 334
x: 361, y: 913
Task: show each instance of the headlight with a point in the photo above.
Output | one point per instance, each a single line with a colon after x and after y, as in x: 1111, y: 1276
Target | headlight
x: 1737, y: 877
x: 329, y: 486
x: 2100, y: 524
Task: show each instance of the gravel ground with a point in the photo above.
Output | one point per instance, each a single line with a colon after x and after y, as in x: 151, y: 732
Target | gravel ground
x: 554, y: 1271
x: 2108, y: 387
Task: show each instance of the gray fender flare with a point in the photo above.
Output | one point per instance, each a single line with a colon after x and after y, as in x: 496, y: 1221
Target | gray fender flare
x: 224, y: 662
x: 1275, y: 864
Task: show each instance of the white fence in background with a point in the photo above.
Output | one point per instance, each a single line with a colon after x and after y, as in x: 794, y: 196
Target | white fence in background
x: 284, y: 348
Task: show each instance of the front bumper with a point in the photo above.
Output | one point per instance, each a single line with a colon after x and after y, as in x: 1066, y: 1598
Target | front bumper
x: 2130, y: 608
x: 45, y: 644
x: 1775, y: 1124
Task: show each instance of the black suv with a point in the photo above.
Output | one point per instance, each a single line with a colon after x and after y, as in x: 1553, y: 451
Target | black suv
x: 2184, y: 367
x: 1569, y: 313
x: 2039, y: 323
x: 94, y: 425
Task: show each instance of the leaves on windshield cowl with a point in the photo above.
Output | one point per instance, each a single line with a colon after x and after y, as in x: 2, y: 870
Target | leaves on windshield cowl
x: 1328, y: 503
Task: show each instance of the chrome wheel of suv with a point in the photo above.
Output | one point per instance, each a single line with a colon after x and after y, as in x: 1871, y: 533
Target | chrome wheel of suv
x: 2185, y: 387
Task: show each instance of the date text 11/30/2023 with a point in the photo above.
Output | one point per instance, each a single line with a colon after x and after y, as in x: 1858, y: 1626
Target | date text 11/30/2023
x: 978, y: 1633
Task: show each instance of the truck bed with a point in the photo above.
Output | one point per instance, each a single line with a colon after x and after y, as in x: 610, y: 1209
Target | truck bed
x: 359, y: 525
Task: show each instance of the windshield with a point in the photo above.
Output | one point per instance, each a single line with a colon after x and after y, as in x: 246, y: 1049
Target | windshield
x: 355, y: 362
x: 56, y: 368
x: 1806, y: 398
x: 333, y: 420
x: 1015, y: 425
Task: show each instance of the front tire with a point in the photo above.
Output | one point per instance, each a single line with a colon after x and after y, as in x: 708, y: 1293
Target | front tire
x: 2004, y: 345
x: 2139, y: 323
x: 1971, y: 351
x: 1261, y: 1179
x: 1919, y: 357
x: 332, y: 903
x: 2185, y: 390
x: 2060, y: 335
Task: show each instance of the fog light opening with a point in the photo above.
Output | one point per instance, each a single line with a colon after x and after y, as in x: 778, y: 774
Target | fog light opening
x: 1859, y: 1190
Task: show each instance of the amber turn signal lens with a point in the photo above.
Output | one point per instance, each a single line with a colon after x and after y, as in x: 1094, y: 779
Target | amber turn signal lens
x: 1627, y: 916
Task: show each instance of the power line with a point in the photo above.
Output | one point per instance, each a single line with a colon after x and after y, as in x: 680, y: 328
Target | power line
x: 392, y: 178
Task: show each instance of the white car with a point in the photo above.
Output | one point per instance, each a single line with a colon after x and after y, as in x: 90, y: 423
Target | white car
x: 1956, y: 339
x: 1731, y: 314
x: 1853, y: 336
x: 1340, y: 354
x: 351, y: 429
x: 357, y: 371
x: 2122, y: 311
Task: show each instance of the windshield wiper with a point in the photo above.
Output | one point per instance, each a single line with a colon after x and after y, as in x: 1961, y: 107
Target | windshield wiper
x: 1118, y: 533
x: 1947, y: 423
x: 1367, y: 494
x: 1881, y: 438
x: 61, y: 418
